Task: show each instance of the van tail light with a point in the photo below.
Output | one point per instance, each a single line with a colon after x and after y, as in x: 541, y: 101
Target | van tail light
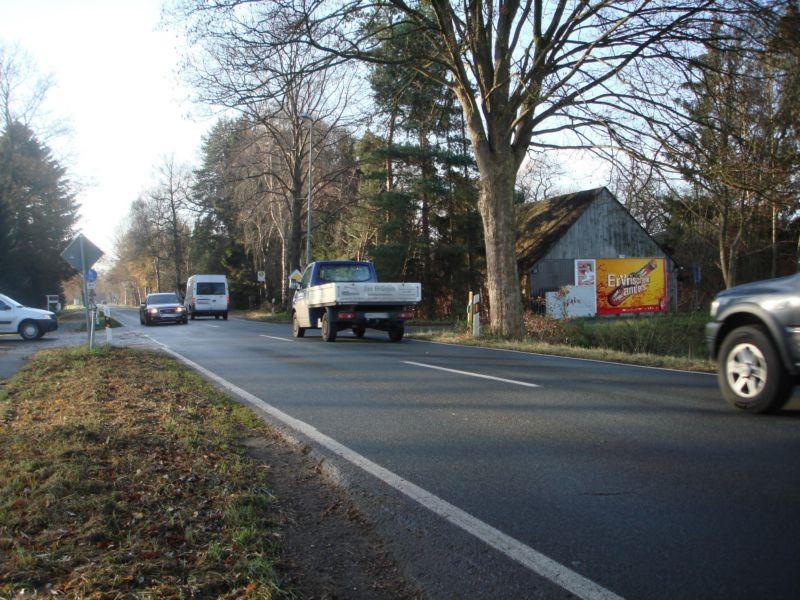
x: 407, y: 314
x: 347, y: 316
x: 227, y: 300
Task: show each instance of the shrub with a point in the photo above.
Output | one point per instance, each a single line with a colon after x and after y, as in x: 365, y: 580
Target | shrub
x: 546, y: 329
x: 669, y: 335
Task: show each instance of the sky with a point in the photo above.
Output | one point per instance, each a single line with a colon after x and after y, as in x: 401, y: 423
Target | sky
x: 116, y: 89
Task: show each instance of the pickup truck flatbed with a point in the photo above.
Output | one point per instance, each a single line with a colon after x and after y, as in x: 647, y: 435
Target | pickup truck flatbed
x: 338, y: 295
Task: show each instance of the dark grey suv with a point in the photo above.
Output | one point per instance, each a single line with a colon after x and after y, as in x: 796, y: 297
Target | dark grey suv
x: 754, y: 336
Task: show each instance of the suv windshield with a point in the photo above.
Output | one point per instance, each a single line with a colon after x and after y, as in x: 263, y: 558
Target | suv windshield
x: 162, y: 299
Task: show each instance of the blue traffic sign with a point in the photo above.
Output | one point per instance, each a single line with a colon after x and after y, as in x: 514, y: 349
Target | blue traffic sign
x: 91, y: 275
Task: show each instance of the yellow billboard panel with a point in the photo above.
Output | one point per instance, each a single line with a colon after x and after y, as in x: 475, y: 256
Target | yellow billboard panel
x: 631, y: 285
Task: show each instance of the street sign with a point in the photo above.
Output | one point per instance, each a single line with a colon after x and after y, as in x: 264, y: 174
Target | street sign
x: 91, y: 275
x: 81, y: 253
x: 262, y: 276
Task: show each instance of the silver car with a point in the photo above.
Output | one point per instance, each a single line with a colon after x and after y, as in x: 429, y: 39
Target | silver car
x: 162, y: 307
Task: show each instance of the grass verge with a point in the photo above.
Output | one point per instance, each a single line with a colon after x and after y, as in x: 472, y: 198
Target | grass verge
x: 540, y: 347
x: 121, y: 475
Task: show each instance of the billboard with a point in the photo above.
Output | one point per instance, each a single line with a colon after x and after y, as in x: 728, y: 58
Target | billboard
x: 631, y: 285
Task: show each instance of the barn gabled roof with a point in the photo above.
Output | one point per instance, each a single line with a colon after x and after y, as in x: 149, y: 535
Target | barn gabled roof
x: 541, y: 224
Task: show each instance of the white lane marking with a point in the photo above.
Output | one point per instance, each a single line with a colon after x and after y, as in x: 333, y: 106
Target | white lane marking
x: 514, y: 549
x: 273, y: 337
x: 469, y: 374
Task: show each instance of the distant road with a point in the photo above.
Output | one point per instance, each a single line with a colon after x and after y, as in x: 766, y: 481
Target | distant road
x: 509, y: 475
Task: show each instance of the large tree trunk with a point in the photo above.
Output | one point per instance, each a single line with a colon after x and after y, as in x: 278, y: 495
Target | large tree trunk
x: 496, y: 204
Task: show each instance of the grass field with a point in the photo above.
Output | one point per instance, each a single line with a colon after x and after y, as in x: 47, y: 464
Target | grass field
x: 121, y: 475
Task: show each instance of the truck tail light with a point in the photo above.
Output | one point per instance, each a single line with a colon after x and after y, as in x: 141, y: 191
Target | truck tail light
x: 347, y: 316
x: 407, y: 314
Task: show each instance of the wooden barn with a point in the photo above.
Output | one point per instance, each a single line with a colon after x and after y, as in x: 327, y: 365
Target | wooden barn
x: 589, y: 238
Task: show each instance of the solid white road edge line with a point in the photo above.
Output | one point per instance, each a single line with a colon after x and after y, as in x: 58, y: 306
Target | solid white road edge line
x: 274, y: 337
x: 514, y: 549
x: 513, y: 381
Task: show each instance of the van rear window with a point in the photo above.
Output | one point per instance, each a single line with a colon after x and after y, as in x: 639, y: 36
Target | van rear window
x: 210, y: 288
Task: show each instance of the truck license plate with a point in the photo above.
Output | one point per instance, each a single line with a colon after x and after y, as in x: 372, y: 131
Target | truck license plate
x: 376, y: 315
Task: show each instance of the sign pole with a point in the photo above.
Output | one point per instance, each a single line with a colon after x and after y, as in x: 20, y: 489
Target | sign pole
x: 85, y: 290
x: 82, y: 254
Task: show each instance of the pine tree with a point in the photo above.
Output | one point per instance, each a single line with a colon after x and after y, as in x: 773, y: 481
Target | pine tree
x: 38, y: 212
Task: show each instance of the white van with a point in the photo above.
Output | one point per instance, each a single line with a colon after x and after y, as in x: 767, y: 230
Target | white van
x: 207, y: 295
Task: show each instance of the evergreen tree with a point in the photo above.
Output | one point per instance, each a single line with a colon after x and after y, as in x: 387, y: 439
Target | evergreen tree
x: 38, y: 213
x: 217, y: 242
x: 741, y: 162
x: 411, y: 178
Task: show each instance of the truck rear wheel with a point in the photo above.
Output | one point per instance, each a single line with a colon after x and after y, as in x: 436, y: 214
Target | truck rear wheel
x: 297, y: 331
x: 396, y: 333
x: 328, y: 331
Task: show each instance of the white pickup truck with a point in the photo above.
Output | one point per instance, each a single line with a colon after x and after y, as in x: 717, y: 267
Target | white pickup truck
x: 333, y: 295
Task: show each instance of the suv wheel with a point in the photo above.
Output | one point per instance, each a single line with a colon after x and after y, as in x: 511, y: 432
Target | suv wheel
x: 751, y: 375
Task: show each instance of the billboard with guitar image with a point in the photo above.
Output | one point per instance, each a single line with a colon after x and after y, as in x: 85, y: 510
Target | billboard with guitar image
x: 631, y: 285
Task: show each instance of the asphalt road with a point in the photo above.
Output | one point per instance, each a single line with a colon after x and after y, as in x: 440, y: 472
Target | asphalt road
x: 509, y: 475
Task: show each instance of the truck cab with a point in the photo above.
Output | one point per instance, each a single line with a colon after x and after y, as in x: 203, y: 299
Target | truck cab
x: 342, y: 294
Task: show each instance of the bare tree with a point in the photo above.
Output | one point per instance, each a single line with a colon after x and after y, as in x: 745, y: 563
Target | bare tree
x: 23, y: 95
x: 157, y: 231
x: 22, y: 89
x: 738, y: 155
x: 537, y: 176
x: 295, y: 112
x: 170, y: 199
x: 551, y: 74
